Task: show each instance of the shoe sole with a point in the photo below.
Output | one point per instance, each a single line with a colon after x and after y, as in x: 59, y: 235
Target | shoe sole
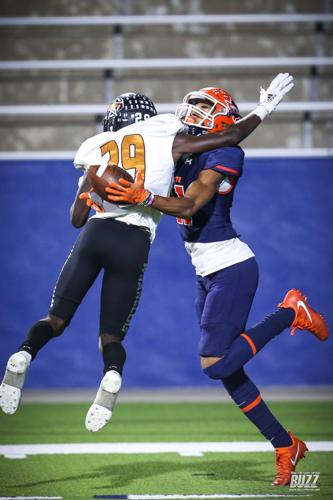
x: 100, y: 412
x: 10, y: 398
x: 11, y: 387
x: 97, y: 417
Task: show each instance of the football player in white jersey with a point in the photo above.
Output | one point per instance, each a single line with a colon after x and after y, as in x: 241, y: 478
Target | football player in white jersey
x: 137, y: 139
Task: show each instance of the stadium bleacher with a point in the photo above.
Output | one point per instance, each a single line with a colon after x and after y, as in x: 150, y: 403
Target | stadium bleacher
x: 60, y: 65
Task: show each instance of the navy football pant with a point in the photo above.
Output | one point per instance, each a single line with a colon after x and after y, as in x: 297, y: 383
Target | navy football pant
x: 224, y: 300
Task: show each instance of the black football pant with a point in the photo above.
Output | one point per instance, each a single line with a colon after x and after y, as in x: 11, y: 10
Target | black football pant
x: 119, y: 250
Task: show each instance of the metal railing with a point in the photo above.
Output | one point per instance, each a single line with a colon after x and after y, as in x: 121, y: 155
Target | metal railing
x: 167, y: 63
x: 166, y: 20
x: 168, y: 107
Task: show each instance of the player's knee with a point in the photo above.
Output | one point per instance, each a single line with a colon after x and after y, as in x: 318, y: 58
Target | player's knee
x: 218, y: 370
x: 107, y: 338
x: 237, y: 379
x: 214, y: 344
x: 58, y: 324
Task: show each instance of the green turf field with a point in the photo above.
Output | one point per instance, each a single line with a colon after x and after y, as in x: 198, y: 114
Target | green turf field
x: 86, y: 475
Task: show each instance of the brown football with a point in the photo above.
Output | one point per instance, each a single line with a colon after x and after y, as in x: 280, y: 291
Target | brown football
x: 112, y: 173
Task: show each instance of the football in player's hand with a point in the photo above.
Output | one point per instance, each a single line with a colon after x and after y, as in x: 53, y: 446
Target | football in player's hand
x: 112, y: 173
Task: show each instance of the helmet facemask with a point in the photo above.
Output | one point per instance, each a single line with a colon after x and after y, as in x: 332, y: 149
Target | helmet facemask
x: 221, y: 113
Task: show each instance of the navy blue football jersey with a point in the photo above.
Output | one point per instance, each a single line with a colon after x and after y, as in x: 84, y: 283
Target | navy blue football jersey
x: 212, y: 222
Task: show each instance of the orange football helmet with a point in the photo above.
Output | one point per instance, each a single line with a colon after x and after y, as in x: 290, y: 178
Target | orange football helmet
x: 223, y: 109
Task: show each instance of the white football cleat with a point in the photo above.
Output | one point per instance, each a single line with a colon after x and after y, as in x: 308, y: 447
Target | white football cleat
x: 10, y: 389
x: 100, y: 411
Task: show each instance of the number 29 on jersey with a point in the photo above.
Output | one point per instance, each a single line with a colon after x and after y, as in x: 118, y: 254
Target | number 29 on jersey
x: 130, y: 155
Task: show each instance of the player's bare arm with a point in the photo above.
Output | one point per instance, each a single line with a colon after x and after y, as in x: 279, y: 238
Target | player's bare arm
x: 85, y: 199
x: 79, y: 210
x: 231, y: 136
x: 198, y: 194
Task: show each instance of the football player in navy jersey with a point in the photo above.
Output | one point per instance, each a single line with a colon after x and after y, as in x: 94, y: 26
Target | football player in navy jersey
x: 226, y: 269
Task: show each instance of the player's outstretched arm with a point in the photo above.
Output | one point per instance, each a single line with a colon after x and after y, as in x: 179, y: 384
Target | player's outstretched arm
x: 233, y: 135
x: 200, y: 192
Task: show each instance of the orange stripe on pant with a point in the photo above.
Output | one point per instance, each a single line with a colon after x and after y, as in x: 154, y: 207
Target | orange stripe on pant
x: 250, y: 341
x: 251, y: 405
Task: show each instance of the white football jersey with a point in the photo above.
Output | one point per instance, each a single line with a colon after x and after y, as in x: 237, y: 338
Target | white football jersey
x: 145, y: 146
x: 207, y: 258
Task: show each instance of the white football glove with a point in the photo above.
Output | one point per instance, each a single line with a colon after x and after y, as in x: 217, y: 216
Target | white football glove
x: 270, y: 98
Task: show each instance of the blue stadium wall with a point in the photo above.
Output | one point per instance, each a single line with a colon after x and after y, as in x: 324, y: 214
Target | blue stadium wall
x: 283, y: 209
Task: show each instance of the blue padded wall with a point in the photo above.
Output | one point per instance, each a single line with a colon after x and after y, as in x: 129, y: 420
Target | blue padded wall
x: 283, y: 208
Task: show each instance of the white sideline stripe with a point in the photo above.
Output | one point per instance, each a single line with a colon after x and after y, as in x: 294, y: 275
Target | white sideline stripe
x: 250, y: 153
x: 184, y: 449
